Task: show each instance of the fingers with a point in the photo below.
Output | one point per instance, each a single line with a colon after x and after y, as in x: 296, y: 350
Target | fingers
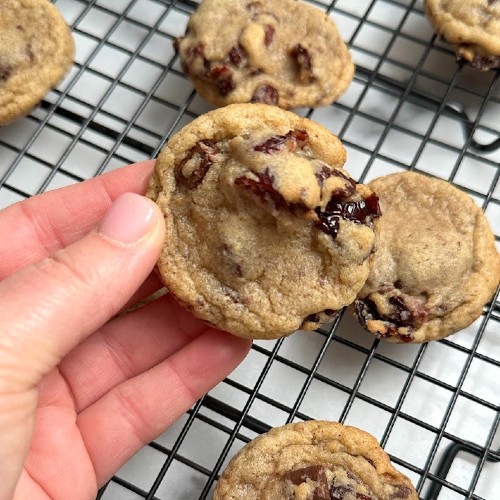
x: 151, y: 285
x: 126, y: 347
x: 137, y: 411
x: 51, y: 306
x: 39, y: 226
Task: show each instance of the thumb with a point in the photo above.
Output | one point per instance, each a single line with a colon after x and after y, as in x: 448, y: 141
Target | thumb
x: 49, y: 307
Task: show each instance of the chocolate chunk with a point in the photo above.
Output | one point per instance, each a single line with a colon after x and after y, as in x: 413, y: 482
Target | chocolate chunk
x: 265, y: 94
x: 321, y: 492
x: 203, y: 153
x: 304, y: 63
x: 292, y: 140
x: 314, y: 473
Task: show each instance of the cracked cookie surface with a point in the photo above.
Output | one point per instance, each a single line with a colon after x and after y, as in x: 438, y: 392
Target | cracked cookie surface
x: 314, y: 460
x: 265, y: 231
x: 435, y: 263
x: 36, y: 50
x: 279, y: 52
x: 472, y: 26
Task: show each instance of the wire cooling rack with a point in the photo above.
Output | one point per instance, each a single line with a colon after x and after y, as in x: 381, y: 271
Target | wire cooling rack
x: 435, y: 408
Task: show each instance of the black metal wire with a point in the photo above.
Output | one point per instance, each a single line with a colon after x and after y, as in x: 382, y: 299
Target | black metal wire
x: 238, y: 423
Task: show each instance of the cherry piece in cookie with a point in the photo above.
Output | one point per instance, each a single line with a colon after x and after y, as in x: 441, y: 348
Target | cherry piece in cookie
x: 435, y: 264
x: 243, y: 190
x: 264, y: 54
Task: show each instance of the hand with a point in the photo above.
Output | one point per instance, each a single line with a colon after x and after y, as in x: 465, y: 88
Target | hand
x: 79, y: 394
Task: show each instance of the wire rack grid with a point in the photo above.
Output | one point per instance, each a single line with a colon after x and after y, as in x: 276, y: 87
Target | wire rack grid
x: 435, y: 407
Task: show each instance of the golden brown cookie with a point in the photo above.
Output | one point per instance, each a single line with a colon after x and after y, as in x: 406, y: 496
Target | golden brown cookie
x: 265, y: 232
x: 36, y: 51
x: 279, y: 52
x: 314, y: 460
x: 472, y: 26
x: 435, y: 263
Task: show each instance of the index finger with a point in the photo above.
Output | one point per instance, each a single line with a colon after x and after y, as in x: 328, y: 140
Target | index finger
x: 35, y: 228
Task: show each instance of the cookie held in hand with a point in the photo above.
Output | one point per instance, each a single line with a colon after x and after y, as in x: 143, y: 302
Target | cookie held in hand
x: 279, y: 52
x: 472, y: 26
x: 435, y: 263
x: 36, y: 51
x: 314, y: 460
x: 265, y: 231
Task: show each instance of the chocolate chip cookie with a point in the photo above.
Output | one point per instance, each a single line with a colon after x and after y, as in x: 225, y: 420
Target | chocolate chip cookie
x: 265, y: 232
x: 36, y: 50
x: 314, y: 460
x: 279, y: 52
x: 435, y: 264
x: 472, y: 26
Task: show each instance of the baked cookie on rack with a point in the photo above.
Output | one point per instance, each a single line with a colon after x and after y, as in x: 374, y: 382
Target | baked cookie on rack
x: 281, y: 52
x: 265, y: 231
x: 314, y: 460
x: 435, y: 263
x: 36, y: 51
x: 472, y: 26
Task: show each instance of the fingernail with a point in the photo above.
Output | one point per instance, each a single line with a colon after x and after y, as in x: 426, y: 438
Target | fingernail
x: 129, y: 218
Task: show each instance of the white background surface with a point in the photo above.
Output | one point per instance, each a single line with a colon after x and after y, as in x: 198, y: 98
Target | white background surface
x: 126, y: 78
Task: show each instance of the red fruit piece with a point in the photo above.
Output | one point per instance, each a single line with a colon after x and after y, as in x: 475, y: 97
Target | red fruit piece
x: 263, y: 188
x: 304, y: 63
x: 223, y: 78
x: 292, y: 140
x: 237, y: 56
x: 203, y: 152
x: 265, y: 94
x: 360, y: 212
x: 269, y: 32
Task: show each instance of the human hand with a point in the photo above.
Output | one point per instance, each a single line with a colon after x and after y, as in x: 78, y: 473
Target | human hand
x: 80, y: 395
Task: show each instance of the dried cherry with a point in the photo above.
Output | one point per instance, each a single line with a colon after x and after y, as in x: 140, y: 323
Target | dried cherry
x: 222, y: 76
x: 237, y: 56
x: 265, y: 94
x: 205, y: 150
x: 292, y: 140
x: 269, y: 32
x: 304, y: 63
x: 360, y: 212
